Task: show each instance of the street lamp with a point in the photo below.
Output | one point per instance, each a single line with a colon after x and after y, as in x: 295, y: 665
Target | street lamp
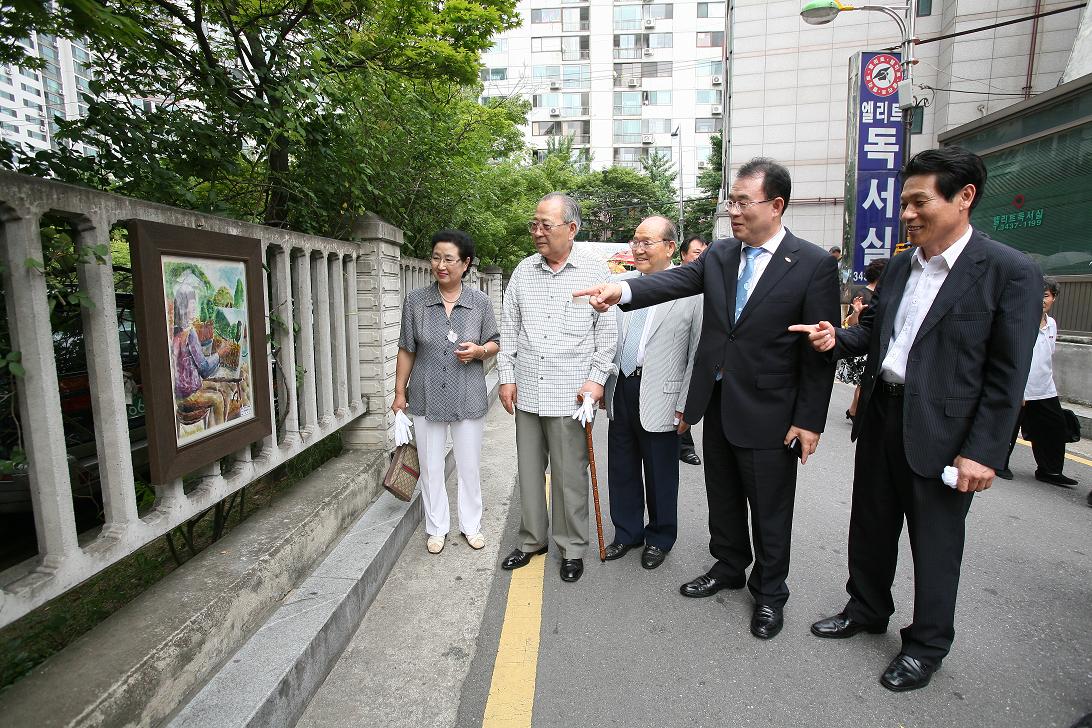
x: 821, y: 12
x: 678, y: 133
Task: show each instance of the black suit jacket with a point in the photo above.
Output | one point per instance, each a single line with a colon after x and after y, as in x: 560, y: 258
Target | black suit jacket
x: 772, y: 378
x: 967, y: 367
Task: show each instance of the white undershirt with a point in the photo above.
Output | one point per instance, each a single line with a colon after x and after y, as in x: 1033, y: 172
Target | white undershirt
x: 1041, y: 377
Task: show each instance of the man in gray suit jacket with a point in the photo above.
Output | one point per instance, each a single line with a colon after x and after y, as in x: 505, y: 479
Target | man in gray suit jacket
x: 949, y: 336
x: 645, y: 403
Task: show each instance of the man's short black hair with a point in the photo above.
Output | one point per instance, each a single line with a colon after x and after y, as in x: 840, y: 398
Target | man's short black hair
x: 1051, y: 284
x: 776, y: 181
x: 873, y: 270
x: 686, y: 244
x: 835, y: 249
x: 954, y: 167
x: 461, y: 241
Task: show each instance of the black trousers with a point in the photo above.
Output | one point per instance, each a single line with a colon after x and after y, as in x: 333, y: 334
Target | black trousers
x: 632, y: 449
x: 885, y: 491
x: 1044, y: 426
x: 686, y: 442
x: 765, y: 480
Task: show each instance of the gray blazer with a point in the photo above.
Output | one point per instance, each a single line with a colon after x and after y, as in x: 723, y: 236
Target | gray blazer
x: 668, y: 363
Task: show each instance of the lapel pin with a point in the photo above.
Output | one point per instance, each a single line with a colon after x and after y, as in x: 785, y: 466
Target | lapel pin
x: 788, y: 259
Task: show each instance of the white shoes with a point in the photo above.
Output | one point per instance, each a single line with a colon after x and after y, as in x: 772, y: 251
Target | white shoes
x: 476, y: 541
x: 435, y: 544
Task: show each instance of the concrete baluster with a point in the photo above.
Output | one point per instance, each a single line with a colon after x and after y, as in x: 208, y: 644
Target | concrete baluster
x: 320, y: 288
x: 305, y: 343
x: 352, y: 323
x: 281, y: 324
x: 337, y: 329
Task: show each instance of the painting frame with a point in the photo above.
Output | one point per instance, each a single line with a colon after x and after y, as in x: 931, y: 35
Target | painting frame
x: 150, y: 242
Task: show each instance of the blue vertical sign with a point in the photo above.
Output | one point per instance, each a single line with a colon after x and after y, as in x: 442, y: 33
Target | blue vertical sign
x: 876, y: 145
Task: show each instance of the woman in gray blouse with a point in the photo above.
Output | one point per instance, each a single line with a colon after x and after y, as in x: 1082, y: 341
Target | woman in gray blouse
x: 448, y: 331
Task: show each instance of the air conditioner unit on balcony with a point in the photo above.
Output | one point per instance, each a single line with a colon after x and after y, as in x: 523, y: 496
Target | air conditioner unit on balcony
x: 717, y: 80
x: 650, y: 23
x: 716, y: 109
x: 555, y: 111
x: 647, y: 53
x: 703, y: 165
x: 555, y: 84
x: 647, y: 139
x: 633, y: 83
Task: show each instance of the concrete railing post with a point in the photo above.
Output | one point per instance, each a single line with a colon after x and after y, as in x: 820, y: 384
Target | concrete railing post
x: 378, y: 303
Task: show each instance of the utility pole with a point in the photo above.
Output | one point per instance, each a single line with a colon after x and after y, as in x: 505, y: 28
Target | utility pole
x: 678, y: 133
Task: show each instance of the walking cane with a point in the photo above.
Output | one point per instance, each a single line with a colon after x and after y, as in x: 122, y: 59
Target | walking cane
x: 595, y: 493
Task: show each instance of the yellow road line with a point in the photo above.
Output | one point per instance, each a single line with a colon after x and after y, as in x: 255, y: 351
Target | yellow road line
x: 1069, y: 455
x: 511, y: 699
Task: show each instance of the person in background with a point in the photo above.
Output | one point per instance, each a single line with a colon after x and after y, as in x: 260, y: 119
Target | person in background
x: 836, y: 253
x: 645, y: 402
x: 850, y: 369
x: 1041, y: 416
x: 690, y: 250
x: 448, y: 331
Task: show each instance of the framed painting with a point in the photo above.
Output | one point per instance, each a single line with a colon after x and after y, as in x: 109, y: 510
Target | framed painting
x: 200, y: 316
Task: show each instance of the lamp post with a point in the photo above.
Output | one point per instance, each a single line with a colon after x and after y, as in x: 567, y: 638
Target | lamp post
x: 678, y: 133
x: 821, y: 12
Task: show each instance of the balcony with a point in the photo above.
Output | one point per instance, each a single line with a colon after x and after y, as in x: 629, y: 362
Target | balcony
x: 575, y: 26
x: 575, y: 110
x: 578, y: 55
x: 628, y: 53
x: 632, y: 24
x: 634, y: 138
x: 628, y: 110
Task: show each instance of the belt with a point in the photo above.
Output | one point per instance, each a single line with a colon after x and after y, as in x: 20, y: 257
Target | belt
x: 891, y: 389
x: 636, y: 373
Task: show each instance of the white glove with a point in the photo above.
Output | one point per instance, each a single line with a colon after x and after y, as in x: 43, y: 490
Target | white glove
x: 586, y: 411
x: 949, y: 476
x: 402, y: 425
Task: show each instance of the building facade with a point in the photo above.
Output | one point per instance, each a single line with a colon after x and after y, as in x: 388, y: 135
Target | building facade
x: 31, y: 99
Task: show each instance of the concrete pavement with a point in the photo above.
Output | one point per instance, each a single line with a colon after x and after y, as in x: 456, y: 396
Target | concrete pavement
x: 622, y: 648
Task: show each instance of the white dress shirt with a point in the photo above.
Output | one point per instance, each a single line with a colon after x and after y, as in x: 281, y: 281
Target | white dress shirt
x: 647, y: 330
x: 926, y: 278
x: 761, y: 261
x: 1041, y: 377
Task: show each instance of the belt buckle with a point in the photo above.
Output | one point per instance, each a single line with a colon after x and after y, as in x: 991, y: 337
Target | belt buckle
x: 636, y: 372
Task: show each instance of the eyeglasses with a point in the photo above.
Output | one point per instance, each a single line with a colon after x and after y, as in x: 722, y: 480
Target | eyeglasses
x: 742, y: 206
x: 642, y: 244
x: 447, y: 260
x: 533, y: 225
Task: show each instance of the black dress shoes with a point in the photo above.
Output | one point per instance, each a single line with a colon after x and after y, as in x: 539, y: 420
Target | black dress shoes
x: 1004, y: 474
x: 706, y: 586
x: 618, y: 550
x: 840, y: 626
x: 1055, y: 479
x: 518, y: 559
x: 571, y: 569
x: 690, y: 457
x: 766, y: 621
x: 652, y: 557
x: 907, y: 673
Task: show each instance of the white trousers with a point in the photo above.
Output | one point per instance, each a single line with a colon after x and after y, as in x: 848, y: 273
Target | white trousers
x: 466, y: 440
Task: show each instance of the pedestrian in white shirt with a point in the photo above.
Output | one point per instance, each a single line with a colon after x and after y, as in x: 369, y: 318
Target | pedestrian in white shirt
x: 1041, y: 416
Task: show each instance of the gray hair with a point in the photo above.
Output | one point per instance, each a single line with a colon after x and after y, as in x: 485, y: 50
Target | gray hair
x: 1050, y: 283
x: 570, y: 208
x: 667, y: 228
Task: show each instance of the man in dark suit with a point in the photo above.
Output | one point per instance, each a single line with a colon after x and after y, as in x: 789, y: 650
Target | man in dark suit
x: 949, y: 336
x: 759, y: 386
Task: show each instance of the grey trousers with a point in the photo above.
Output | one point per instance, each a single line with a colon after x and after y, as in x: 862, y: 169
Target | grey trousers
x: 559, y: 441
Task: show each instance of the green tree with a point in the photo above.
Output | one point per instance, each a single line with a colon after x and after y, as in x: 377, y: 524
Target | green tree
x: 699, y: 210
x: 240, y: 296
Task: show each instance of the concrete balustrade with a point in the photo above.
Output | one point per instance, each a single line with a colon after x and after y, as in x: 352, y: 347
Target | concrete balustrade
x: 335, y: 327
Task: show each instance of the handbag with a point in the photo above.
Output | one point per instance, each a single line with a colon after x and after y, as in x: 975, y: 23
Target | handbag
x: 1072, y: 426
x: 403, y: 472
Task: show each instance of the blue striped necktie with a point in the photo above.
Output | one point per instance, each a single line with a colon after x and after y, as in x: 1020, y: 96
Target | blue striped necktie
x: 744, y: 284
x: 635, y: 326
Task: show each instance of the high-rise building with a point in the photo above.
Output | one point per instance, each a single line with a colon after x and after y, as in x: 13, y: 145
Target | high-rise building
x: 31, y: 99
x: 620, y: 76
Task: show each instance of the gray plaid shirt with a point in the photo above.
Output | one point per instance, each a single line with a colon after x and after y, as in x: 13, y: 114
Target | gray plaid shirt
x: 550, y: 345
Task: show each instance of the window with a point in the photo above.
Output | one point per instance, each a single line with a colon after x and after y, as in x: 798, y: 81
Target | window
x: 711, y: 10
x: 656, y: 126
x: 545, y: 72
x: 83, y: 83
x: 703, y: 152
x: 627, y: 131
x: 500, y: 45
x: 657, y: 98
x: 917, y: 122
x: 575, y: 48
x: 580, y: 131
x: 627, y: 103
x: 707, y: 96
x: 665, y: 152
x: 714, y: 39
x: 659, y: 11
x: 627, y: 17
x: 575, y: 104
x: 491, y: 100
x: 925, y: 8
x: 9, y: 112
x: 574, y: 19
x: 708, y: 125
x: 546, y: 44
x: 30, y: 89
x: 659, y: 40
x: 546, y: 15
x: 576, y: 76
x: 712, y: 67
x: 80, y: 54
x: 545, y: 101
x: 628, y: 46
x: 494, y: 74
x: 6, y: 95
x: 656, y: 69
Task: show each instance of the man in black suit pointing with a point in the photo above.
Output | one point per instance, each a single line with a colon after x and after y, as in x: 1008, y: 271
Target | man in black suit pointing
x: 759, y: 386
x: 949, y: 336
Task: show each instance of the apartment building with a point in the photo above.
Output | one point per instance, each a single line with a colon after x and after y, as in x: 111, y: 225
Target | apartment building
x: 30, y: 99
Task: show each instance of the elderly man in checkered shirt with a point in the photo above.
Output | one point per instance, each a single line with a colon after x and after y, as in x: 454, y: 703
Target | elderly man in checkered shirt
x: 553, y: 350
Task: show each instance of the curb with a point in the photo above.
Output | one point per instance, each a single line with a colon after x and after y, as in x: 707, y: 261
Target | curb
x: 274, y: 675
